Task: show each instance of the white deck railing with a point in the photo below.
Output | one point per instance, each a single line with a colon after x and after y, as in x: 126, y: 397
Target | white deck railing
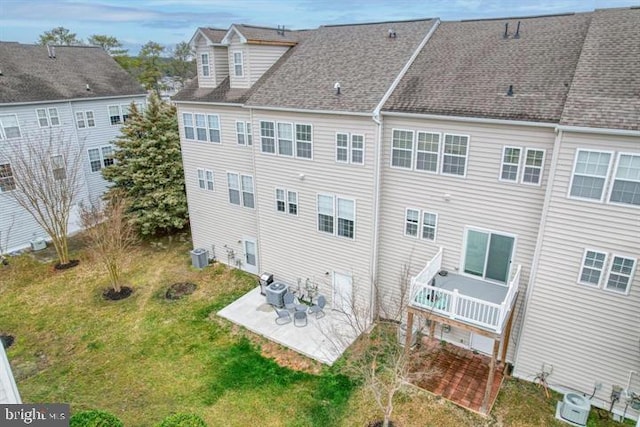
x: 457, y: 306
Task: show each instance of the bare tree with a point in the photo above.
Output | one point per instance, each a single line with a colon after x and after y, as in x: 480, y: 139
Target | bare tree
x: 44, y: 175
x: 110, y: 234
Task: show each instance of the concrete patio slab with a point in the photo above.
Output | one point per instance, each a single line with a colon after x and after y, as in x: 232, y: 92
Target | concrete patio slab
x: 323, y: 339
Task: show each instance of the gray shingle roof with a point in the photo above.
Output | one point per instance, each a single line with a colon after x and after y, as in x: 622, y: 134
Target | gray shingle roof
x: 466, y: 69
x: 362, y: 58
x: 265, y: 34
x: 215, y: 35
x: 605, y: 92
x: 28, y: 74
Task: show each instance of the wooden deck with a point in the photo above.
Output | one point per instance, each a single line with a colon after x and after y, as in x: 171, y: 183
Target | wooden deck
x: 461, y: 376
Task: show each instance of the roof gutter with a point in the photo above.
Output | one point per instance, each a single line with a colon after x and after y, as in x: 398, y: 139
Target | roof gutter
x: 301, y: 110
x: 375, y: 116
x: 55, y: 101
x: 603, y: 131
x: 208, y: 103
x: 469, y: 119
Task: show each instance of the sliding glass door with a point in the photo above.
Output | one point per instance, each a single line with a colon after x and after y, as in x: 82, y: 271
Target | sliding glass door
x: 488, y: 255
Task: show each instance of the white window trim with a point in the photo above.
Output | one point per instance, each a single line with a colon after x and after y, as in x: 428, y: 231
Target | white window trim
x: 85, y: 119
x: 47, y: 115
x: 404, y: 223
x: 206, y: 180
x: 524, y: 166
x: 193, y: 126
x: 420, y: 232
x: 99, y: 148
x: 413, y: 149
x: 209, y: 129
x: 207, y: 65
x: 275, y: 138
x: 12, y: 177
x: 609, y: 265
x: 119, y: 115
x: 466, y: 156
x: 239, y: 189
x: 245, y: 133
x: 286, y: 193
x: 295, y: 141
x: 613, y: 180
x: 502, y: 163
x: 605, y: 186
x: 3, y: 135
x: 463, y: 256
x: 241, y: 63
x: 349, y: 149
x: 603, y: 272
x: 335, y: 199
x: 414, y: 166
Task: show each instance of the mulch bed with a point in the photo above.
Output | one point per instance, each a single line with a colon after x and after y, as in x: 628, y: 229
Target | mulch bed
x: 70, y: 264
x: 7, y: 340
x: 112, y: 295
x: 379, y: 423
x: 179, y: 290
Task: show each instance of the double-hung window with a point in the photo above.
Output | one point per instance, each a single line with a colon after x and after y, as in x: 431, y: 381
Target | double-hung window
x: 9, y: 127
x: 238, y: 65
x: 332, y: 207
x: 58, y: 168
x: 233, y: 184
x: 402, y: 149
x: 101, y: 157
x: 241, y: 190
x: 213, y: 122
x: 267, y: 137
x: 285, y: 139
x: 204, y: 59
x: 247, y: 191
x: 205, y: 179
x: 115, y: 115
x: 427, y: 151
x: 201, y: 127
x: 304, y: 144
x: 286, y: 201
x: 533, y: 161
x: 349, y: 148
x: 454, y: 155
x: 414, y: 218
x: 7, y: 182
x: 510, y: 164
x: 590, y: 172
x: 620, y: 274
x: 243, y: 133
x: 187, y: 122
x: 592, y: 270
x: 48, y: 117
x: 626, y: 180
x: 85, y: 119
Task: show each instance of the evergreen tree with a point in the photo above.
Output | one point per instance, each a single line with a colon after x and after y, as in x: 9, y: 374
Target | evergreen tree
x: 148, y: 168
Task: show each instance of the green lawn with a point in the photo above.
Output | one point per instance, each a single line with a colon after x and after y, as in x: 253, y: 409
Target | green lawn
x: 144, y: 358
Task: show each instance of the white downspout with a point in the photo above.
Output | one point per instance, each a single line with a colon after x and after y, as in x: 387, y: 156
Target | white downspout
x: 541, y: 232
x: 378, y: 165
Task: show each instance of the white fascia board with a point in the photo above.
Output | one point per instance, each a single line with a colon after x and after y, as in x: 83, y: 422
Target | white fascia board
x: 205, y: 103
x: 605, y: 131
x: 469, y: 119
x: 226, y: 40
x: 302, y: 110
x: 56, y: 101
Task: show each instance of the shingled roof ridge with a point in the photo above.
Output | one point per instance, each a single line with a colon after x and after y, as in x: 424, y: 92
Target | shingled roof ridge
x: 553, y: 15
x: 260, y: 27
x: 401, y: 21
x: 213, y: 28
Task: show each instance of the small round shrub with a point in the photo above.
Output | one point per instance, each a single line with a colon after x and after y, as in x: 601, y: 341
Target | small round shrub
x: 183, y: 420
x: 94, y: 418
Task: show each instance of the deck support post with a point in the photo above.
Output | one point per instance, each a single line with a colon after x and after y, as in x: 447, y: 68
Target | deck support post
x: 505, y: 341
x: 432, y: 328
x: 408, y: 337
x: 492, y: 371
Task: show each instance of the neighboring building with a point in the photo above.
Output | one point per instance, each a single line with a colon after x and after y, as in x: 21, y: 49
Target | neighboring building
x: 366, y: 158
x: 74, y: 92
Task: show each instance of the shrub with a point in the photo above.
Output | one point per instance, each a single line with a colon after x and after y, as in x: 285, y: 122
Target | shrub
x: 94, y: 418
x: 183, y: 420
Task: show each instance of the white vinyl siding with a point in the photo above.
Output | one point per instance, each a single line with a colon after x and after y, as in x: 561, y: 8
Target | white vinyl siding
x: 9, y: 127
x: 332, y: 207
x: 48, y: 117
x: 206, y: 179
x: 100, y: 157
x: 7, y: 182
x: 590, y: 172
x: 626, y: 180
x: 592, y: 270
x: 85, y: 119
x: 349, y: 148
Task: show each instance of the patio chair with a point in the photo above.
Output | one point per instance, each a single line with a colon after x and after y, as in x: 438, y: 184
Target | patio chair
x: 289, y: 301
x: 284, y: 316
x: 300, y: 318
x: 318, y: 307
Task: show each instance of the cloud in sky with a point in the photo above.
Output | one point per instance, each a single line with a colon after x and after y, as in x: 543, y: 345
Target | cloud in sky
x: 171, y: 21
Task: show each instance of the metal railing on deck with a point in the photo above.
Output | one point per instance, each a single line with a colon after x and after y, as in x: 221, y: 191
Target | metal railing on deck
x: 458, y: 306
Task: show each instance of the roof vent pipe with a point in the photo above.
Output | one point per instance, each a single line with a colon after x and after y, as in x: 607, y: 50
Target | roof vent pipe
x: 506, y: 31
x: 517, y: 35
x: 510, y: 91
x: 53, y: 52
x: 392, y: 33
x: 337, y: 88
x: 87, y: 87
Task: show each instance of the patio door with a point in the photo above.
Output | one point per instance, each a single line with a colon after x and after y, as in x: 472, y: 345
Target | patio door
x: 342, y: 292
x: 250, y: 261
x: 488, y: 255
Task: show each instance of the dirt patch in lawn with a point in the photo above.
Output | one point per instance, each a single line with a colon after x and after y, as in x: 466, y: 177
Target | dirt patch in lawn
x: 112, y: 295
x: 288, y: 358
x: 179, y: 290
x: 6, y: 340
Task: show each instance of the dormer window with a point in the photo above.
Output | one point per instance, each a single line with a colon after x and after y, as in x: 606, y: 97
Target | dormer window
x: 238, y: 65
x: 204, y: 59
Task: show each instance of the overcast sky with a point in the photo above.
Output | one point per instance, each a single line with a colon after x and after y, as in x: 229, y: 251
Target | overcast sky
x: 134, y: 22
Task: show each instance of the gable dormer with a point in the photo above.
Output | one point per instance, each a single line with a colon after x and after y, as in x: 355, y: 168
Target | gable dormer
x: 211, y: 56
x: 253, y: 50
